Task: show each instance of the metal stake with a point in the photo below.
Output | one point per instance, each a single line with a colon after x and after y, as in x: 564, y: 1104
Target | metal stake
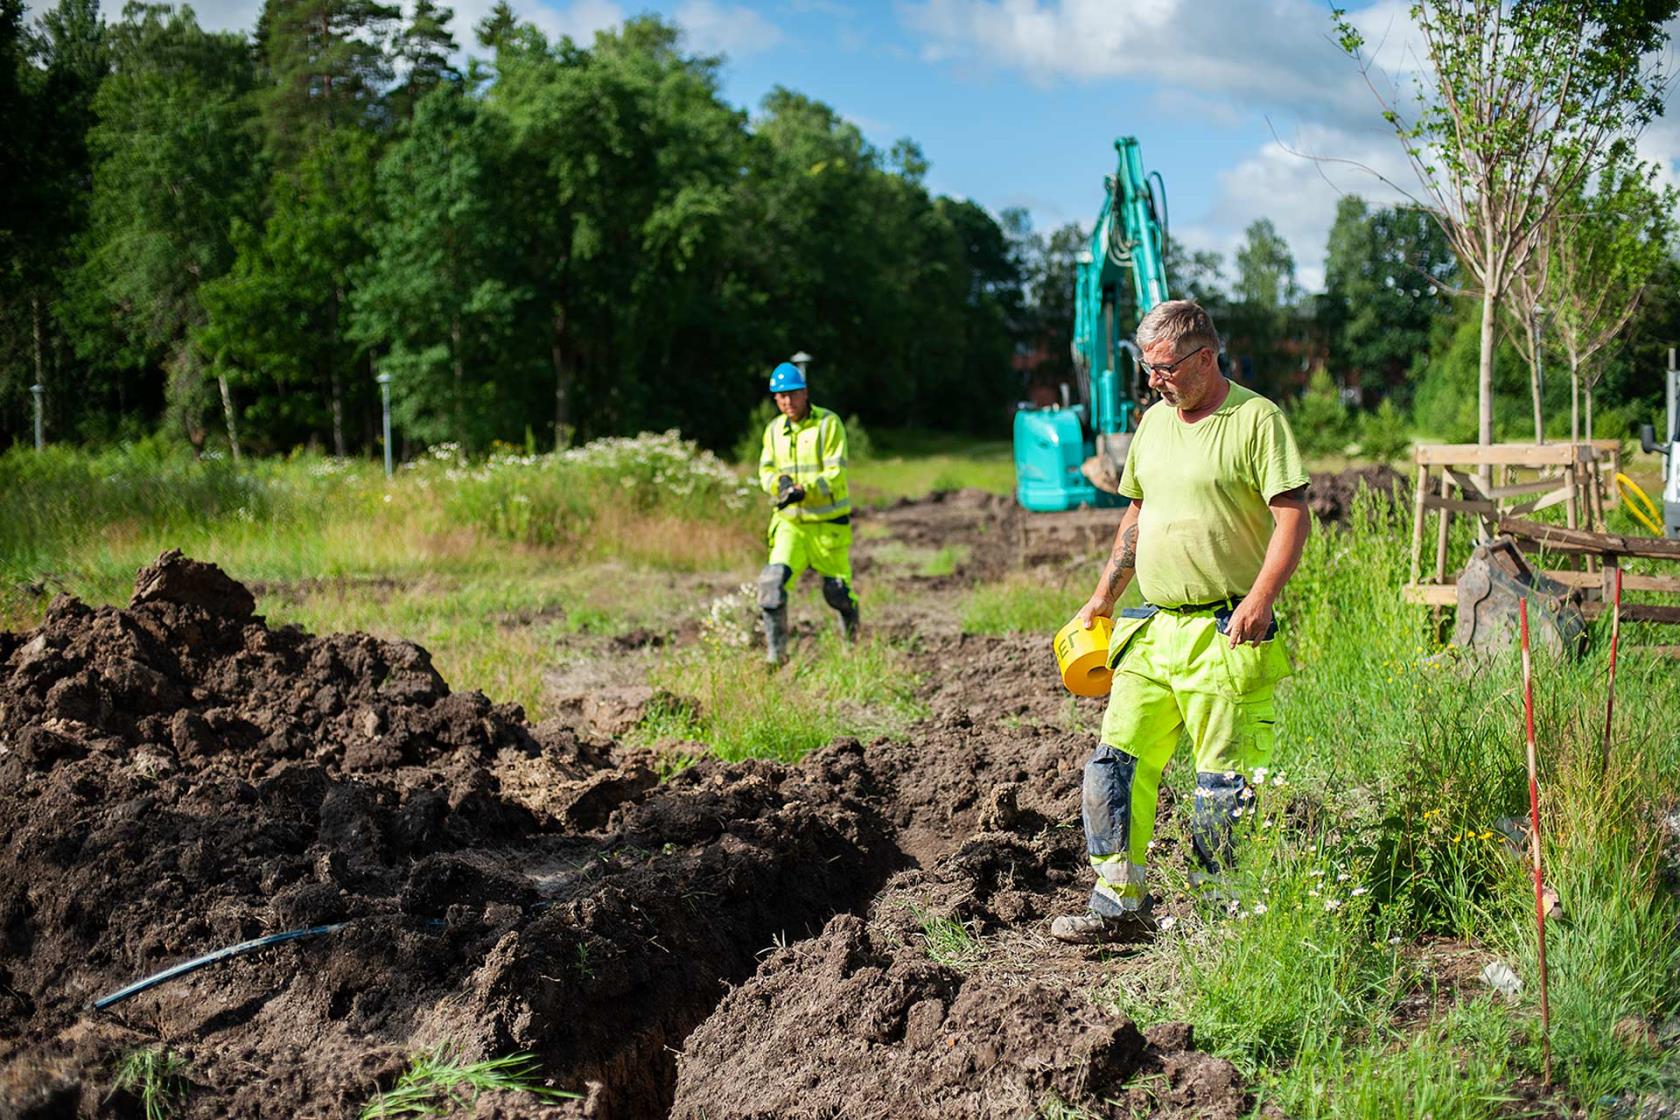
x: 384, y: 380
x: 40, y: 392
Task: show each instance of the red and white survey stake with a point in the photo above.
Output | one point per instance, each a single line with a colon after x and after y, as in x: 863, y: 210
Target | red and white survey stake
x: 1534, y: 843
x: 1610, y: 696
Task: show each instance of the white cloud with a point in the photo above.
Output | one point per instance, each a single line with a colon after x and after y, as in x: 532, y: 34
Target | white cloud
x: 1278, y: 53
x: 1299, y: 194
x: 731, y: 29
x: 580, y: 19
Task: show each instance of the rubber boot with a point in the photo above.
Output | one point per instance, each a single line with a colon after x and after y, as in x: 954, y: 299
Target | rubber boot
x: 848, y: 624
x: 776, y: 635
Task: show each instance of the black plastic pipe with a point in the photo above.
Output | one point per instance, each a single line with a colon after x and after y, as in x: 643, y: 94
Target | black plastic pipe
x: 197, y: 963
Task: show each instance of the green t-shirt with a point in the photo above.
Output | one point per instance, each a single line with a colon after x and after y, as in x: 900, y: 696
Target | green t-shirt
x: 1205, y: 525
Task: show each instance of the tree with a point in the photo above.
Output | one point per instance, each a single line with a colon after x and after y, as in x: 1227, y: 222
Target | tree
x: 1520, y: 104
x: 1197, y: 275
x: 441, y: 289
x: 1386, y: 276
x: 1524, y: 306
x: 1266, y: 295
x: 173, y: 152
x: 326, y: 65
x: 423, y: 48
x: 61, y: 68
x: 1609, y: 243
x: 276, y: 320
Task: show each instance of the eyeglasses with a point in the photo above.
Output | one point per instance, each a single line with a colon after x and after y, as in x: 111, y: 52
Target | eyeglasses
x: 1169, y: 367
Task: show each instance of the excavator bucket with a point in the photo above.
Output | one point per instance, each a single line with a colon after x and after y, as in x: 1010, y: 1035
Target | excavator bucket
x: 1494, y: 580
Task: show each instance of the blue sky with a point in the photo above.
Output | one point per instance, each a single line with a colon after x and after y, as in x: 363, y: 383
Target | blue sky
x: 1017, y: 102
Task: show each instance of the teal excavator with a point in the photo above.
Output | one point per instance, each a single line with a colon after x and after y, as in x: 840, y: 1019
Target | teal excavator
x: 1069, y: 455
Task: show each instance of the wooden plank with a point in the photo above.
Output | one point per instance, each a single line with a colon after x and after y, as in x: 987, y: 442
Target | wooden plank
x: 1431, y: 594
x: 1469, y: 483
x: 1538, y: 486
x: 1633, y: 612
x: 1459, y: 505
x: 1630, y: 581
x: 1561, y: 494
x: 1417, y: 521
x: 1503, y: 454
x: 1559, y: 539
x: 1441, y: 537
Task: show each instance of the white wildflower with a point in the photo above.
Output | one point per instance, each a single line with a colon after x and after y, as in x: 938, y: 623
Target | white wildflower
x: 1332, y: 904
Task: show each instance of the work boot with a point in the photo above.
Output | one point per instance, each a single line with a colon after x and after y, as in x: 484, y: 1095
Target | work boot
x: 849, y: 624
x: 1092, y: 928
x: 776, y: 635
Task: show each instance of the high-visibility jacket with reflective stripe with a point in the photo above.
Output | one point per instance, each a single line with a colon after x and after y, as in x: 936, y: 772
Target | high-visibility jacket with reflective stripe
x: 813, y: 453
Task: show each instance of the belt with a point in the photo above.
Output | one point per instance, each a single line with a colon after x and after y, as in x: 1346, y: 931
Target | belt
x: 1196, y: 608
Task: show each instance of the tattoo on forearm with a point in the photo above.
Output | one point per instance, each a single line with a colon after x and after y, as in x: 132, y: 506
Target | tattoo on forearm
x: 1126, y: 551
x: 1120, y: 563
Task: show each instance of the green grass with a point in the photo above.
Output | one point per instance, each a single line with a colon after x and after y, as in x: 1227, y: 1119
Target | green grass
x: 745, y: 709
x: 157, y: 1078
x: 948, y: 942
x: 438, y: 1083
x: 928, y: 562
x: 912, y: 464
x: 1031, y: 603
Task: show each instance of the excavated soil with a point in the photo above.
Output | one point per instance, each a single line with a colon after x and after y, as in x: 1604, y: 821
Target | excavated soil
x: 183, y: 777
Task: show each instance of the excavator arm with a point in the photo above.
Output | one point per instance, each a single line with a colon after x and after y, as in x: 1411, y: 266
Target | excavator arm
x: 1123, y: 269
x: 1066, y: 458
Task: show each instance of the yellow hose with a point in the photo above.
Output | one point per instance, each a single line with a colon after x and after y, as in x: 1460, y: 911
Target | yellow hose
x: 1648, y: 517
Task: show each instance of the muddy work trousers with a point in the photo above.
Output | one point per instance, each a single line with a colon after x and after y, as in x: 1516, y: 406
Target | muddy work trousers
x: 1175, y: 674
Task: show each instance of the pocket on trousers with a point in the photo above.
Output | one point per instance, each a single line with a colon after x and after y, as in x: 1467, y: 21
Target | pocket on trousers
x: 1127, y: 626
x: 1248, y: 668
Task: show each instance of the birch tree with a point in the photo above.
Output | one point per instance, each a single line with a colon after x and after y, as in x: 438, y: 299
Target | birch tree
x: 1518, y: 102
x: 1609, y: 244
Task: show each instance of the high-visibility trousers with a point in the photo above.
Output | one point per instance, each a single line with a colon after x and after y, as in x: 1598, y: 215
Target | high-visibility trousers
x: 1175, y: 673
x: 822, y: 545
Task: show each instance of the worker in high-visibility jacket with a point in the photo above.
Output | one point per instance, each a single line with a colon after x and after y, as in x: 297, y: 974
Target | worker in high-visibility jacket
x: 803, y: 469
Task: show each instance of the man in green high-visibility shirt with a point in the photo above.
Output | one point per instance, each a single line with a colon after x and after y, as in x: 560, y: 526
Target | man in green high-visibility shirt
x: 1215, y: 528
x: 803, y: 469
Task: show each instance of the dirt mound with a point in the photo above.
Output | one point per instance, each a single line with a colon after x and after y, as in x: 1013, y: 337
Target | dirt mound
x: 183, y: 777
x: 1330, y: 495
x: 994, y: 1022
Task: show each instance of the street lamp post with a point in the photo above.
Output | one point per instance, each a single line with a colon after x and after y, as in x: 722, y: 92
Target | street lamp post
x: 384, y: 380
x: 40, y: 392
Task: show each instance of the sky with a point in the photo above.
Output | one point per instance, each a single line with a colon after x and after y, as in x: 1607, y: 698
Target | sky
x: 1247, y: 108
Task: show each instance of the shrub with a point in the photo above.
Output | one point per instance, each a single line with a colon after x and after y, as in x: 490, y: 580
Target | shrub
x: 1319, y: 419
x: 1385, y: 434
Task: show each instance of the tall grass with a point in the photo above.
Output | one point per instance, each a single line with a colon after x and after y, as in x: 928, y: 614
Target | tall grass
x: 1405, y: 773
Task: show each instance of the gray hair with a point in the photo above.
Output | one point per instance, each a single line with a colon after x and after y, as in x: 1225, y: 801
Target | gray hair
x: 1182, y: 322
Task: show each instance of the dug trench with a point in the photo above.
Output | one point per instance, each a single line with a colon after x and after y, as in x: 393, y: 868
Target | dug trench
x: 182, y: 776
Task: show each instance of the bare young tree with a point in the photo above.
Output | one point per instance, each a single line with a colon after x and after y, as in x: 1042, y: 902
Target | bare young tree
x: 1519, y: 102
x: 1609, y: 242
x: 1524, y: 308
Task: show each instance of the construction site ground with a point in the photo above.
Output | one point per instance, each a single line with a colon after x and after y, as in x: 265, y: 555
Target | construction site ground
x: 722, y: 940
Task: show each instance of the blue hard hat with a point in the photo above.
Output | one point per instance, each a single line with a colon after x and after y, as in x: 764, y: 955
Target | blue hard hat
x: 786, y: 378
